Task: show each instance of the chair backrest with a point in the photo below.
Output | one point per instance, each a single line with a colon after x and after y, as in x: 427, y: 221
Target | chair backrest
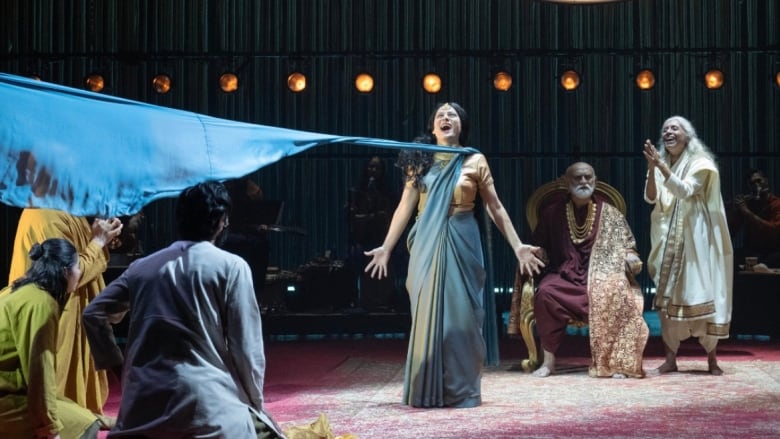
x: 557, y: 190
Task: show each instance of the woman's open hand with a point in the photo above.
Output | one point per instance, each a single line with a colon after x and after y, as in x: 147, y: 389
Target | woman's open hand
x: 377, y: 266
x: 529, y: 259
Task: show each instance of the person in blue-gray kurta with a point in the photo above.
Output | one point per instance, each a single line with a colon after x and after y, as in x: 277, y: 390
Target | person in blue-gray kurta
x: 446, y: 275
x: 195, y: 362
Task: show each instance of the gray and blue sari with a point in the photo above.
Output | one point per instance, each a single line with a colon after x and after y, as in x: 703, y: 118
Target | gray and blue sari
x: 446, y: 280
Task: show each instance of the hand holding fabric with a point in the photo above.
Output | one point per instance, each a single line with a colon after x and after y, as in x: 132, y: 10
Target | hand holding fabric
x: 105, y: 230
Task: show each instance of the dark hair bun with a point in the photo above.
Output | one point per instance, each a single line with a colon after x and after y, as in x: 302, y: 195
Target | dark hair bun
x: 36, y: 252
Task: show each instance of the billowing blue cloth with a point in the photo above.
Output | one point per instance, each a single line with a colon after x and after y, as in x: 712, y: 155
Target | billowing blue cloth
x: 93, y: 154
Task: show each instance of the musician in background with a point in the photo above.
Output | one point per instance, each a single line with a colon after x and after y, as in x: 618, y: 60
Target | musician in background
x: 244, y: 237
x: 757, y: 214
x: 371, y: 206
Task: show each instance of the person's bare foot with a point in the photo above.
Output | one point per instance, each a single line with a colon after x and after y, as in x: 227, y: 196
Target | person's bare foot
x: 548, y: 366
x: 618, y: 376
x: 543, y: 372
x: 714, y: 368
x: 667, y: 367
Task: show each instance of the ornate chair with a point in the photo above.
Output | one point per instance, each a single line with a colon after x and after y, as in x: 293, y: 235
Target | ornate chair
x: 522, y: 316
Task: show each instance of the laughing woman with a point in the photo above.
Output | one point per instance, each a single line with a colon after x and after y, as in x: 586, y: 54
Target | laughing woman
x: 691, y: 257
x: 446, y: 266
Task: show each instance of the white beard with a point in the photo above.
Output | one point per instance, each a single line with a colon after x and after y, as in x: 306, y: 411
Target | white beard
x: 583, y: 192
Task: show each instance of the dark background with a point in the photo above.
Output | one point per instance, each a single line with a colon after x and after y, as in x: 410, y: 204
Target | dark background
x: 530, y: 133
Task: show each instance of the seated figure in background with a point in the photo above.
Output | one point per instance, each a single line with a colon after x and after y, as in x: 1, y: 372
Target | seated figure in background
x: 246, y: 237
x: 590, y: 254
x: 757, y: 214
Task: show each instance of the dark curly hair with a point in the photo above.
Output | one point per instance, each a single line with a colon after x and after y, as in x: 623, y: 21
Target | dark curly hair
x: 50, y: 259
x: 200, y: 209
x: 414, y: 164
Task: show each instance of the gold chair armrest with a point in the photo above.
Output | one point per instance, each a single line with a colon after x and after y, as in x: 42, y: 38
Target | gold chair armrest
x: 515, y: 307
x: 527, y: 323
x: 522, y: 318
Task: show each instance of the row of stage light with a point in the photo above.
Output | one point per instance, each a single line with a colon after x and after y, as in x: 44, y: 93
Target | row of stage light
x: 431, y: 82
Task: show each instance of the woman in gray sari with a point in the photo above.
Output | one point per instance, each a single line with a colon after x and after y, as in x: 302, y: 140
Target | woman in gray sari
x: 446, y: 275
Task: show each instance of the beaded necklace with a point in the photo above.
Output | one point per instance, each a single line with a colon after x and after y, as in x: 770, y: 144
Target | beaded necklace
x: 579, y: 233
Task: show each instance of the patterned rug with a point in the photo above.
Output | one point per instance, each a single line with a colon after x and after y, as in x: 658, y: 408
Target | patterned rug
x: 361, y: 396
x: 357, y: 384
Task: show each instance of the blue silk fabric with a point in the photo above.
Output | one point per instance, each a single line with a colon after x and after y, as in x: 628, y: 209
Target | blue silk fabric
x: 92, y: 154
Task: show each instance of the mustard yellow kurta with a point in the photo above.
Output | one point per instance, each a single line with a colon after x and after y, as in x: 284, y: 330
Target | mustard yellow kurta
x: 29, y: 406
x: 77, y: 378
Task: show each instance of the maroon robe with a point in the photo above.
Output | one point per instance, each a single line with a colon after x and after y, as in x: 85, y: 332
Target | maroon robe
x: 562, y: 293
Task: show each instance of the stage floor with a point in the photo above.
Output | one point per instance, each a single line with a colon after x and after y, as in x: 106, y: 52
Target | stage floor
x: 356, y: 381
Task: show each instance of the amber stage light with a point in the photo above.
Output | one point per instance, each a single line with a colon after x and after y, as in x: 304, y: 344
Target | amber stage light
x: 228, y: 82
x: 570, y: 80
x: 432, y: 83
x: 95, y: 82
x: 502, y: 81
x: 364, y: 83
x: 296, y: 82
x: 713, y: 79
x: 161, y: 84
x: 645, y: 79
x: 777, y: 79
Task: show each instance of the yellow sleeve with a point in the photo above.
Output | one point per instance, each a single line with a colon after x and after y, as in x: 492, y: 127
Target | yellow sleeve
x: 93, y: 261
x: 483, y: 171
x: 36, y: 343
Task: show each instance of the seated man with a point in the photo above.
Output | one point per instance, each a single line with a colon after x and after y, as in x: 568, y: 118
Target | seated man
x: 757, y: 214
x: 590, y: 249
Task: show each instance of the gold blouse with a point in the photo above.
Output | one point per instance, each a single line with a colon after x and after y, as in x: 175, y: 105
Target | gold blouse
x: 474, y: 175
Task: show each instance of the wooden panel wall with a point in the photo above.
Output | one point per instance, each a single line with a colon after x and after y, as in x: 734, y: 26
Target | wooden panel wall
x: 530, y: 133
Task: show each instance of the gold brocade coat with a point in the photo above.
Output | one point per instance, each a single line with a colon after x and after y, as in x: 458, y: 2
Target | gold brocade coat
x: 77, y: 377
x: 618, y: 331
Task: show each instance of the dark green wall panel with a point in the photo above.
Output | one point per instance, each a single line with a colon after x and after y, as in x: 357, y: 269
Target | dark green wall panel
x: 530, y: 133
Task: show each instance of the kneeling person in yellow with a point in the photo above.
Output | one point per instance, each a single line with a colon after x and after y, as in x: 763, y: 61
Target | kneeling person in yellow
x: 29, y: 314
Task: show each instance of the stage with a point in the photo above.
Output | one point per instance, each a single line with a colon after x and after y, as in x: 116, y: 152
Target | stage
x: 356, y: 381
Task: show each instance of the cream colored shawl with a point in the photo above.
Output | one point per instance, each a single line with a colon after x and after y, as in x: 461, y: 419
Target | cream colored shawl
x: 691, y: 260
